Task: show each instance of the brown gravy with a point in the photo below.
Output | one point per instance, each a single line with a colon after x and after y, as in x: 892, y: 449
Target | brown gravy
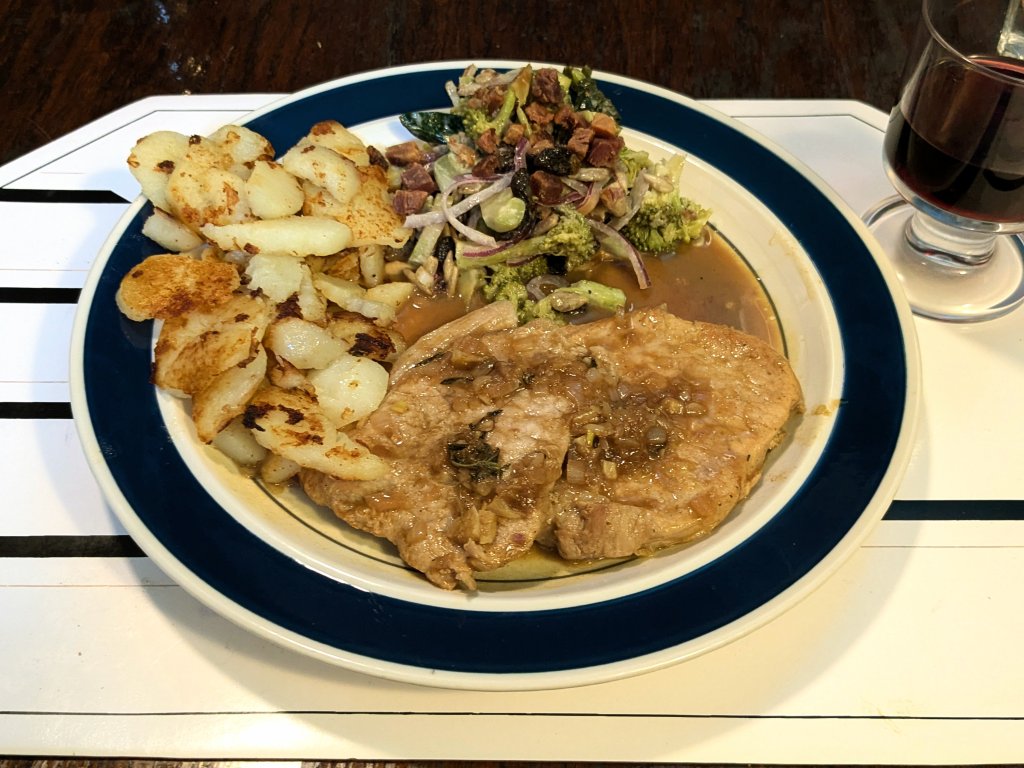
x: 708, y: 282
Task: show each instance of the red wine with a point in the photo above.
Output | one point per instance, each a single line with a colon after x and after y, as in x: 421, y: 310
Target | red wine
x: 957, y: 139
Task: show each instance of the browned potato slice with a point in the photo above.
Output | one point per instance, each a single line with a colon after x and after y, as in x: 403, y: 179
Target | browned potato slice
x: 170, y: 284
x: 153, y: 160
x: 167, y: 232
x: 199, y: 194
x: 325, y: 168
x: 227, y: 396
x: 368, y: 213
x: 292, y: 235
x: 272, y: 191
x: 193, y: 349
x: 244, y: 146
x: 291, y: 424
x: 335, y: 136
x: 302, y: 343
x: 365, y: 338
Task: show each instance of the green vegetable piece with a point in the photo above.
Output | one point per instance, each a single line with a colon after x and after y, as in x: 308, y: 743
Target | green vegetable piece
x: 584, y: 95
x: 503, y: 211
x: 570, y: 239
x: 432, y: 127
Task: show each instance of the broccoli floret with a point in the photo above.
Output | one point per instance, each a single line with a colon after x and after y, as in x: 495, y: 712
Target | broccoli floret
x: 571, y: 239
x: 558, y: 304
x: 505, y: 283
x: 665, y: 219
x: 476, y: 122
x: 633, y: 162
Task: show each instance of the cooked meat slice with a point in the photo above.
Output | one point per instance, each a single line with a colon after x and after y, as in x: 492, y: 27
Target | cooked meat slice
x: 692, y: 410
x: 491, y: 317
x: 661, y: 425
x: 474, y: 429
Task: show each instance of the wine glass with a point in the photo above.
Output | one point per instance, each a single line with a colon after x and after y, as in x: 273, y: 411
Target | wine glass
x: 954, y: 150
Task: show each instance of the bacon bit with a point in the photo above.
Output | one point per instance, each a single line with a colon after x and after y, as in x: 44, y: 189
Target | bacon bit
x: 604, y: 125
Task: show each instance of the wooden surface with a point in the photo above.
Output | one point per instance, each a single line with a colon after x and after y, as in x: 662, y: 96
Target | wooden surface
x: 64, y: 63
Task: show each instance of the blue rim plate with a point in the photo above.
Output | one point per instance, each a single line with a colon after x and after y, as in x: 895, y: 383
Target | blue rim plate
x: 844, y: 489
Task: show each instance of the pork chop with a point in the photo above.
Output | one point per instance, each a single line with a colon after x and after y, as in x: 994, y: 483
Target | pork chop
x: 611, y: 438
x: 475, y: 433
x: 694, y: 410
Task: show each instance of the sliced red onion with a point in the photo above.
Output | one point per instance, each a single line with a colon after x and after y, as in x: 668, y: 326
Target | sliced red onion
x: 589, y: 201
x: 450, y: 213
x: 519, y: 158
x: 621, y: 248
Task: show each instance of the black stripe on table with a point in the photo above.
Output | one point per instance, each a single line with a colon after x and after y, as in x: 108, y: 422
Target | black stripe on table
x: 69, y: 546
x: 35, y: 410
x: 1002, y: 509
x: 39, y: 295
x: 72, y: 196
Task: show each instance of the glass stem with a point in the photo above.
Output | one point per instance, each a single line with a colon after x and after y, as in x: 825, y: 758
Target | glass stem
x: 947, y: 244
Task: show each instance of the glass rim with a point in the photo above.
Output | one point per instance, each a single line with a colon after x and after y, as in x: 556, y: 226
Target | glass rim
x: 926, y: 14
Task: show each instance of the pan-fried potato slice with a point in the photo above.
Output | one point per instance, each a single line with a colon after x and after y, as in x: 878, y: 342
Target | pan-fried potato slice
x: 237, y: 443
x: 277, y: 469
x: 302, y: 343
x: 368, y: 213
x: 244, y: 146
x: 171, y: 284
x: 153, y: 160
x: 364, y: 338
x: 291, y: 424
x: 349, y: 388
x: 392, y: 294
x: 200, y: 194
x: 335, y: 136
x: 283, y: 374
x: 352, y: 297
x: 325, y: 168
x: 193, y: 349
x: 167, y: 232
x: 272, y: 191
x: 206, y: 153
x: 292, y: 235
x: 277, y: 275
x: 312, y: 304
x: 224, y: 398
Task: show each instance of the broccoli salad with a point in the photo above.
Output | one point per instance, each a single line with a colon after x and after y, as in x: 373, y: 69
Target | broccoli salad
x: 526, y: 184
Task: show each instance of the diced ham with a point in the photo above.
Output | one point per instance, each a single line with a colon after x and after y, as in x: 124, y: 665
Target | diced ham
x: 545, y: 86
x: 566, y: 117
x: 405, y: 153
x: 489, y: 165
x: 513, y: 133
x: 603, y: 125
x: 487, y: 142
x: 416, y: 177
x: 579, y: 142
x: 604, y: 151
x: 546, y: 187
x: 408, y: 201
x: 538, y: 114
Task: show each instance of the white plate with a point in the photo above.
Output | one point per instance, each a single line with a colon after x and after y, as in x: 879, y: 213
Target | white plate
x: 290, y: 572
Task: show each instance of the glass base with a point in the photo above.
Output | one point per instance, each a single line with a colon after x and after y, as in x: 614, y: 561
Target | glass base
x: 941, y: 288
